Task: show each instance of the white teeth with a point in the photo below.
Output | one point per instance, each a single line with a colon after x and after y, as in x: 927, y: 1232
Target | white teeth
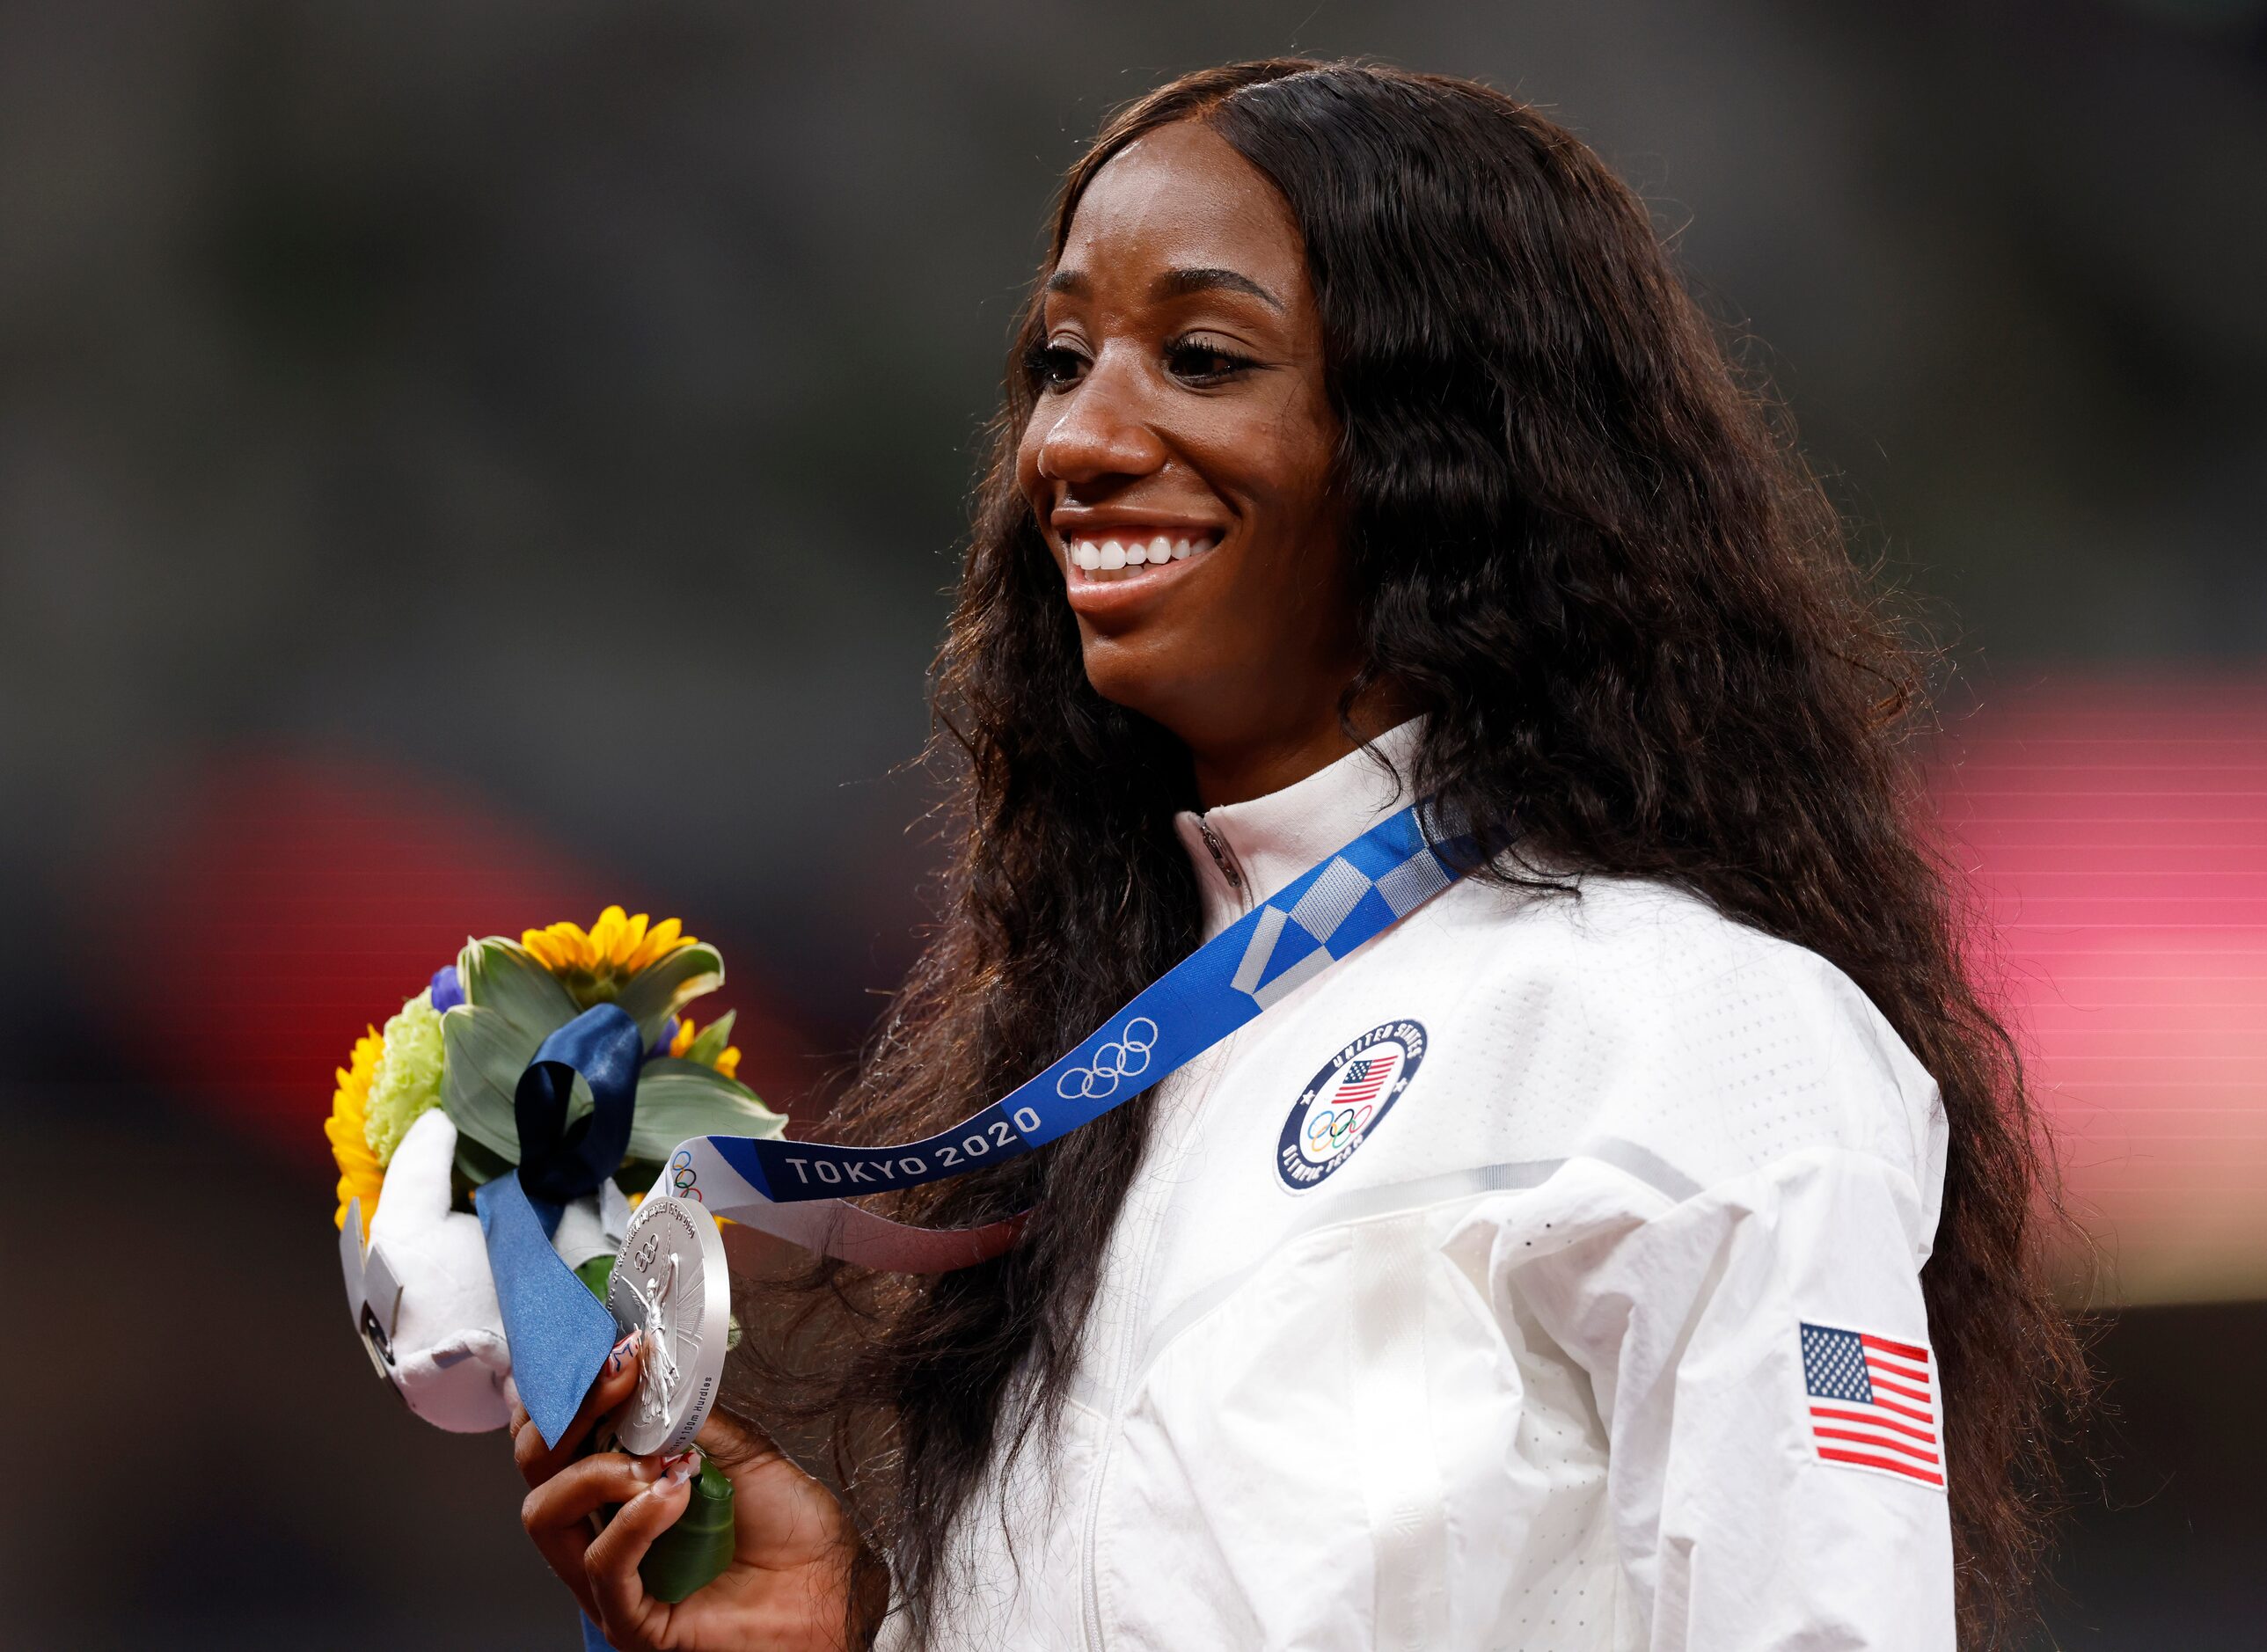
x: 1099, y: 558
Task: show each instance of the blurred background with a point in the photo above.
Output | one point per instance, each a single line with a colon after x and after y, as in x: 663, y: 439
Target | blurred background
x: 463, y: 463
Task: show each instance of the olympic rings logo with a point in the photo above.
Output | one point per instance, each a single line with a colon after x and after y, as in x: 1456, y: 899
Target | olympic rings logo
x: 1346, y: 1100
x: 682, y: 1177
x: 1127, y: 1056
x: 1328, y: 1128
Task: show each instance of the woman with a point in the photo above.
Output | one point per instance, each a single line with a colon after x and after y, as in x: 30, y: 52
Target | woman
x: 1545, y: 1274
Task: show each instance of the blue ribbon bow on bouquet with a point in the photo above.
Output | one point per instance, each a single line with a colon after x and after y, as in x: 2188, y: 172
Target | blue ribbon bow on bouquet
x: 558, y: 1332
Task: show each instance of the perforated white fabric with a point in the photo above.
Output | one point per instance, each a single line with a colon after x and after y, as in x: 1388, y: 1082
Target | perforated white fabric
x: 1522, y: 1371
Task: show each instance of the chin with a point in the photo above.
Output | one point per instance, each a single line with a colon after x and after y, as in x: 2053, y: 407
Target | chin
x: 1127, y: 673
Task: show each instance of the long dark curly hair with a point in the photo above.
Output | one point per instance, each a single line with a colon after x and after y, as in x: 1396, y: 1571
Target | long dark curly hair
x: 1585, y: 550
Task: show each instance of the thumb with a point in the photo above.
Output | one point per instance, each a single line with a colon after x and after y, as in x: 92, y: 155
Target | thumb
x: 416, y: 1191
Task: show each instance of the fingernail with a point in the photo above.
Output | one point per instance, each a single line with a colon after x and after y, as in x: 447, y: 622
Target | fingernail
x: 620, y: 1352
x: 682, y: 1467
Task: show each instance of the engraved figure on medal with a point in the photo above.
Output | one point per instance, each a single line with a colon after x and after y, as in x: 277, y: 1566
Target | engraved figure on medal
x: 671, y: 1282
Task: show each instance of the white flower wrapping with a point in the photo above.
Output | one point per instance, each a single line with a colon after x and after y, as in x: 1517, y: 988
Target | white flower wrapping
x: 421, y: 1293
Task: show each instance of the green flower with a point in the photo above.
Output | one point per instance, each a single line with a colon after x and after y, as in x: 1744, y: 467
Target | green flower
x: 408, y: 1077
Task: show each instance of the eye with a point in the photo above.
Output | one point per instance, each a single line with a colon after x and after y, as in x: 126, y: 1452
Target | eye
x: 1053, y: 366
x: 1194, y: 362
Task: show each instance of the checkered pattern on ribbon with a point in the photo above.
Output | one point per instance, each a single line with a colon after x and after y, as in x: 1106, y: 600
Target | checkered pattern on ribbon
x: 1319, y: 915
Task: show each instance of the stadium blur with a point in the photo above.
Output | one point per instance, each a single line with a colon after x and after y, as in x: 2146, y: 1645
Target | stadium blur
x: 464, y: 463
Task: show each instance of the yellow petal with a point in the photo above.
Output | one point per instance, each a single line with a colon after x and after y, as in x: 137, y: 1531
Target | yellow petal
x: 571, y: 948
x: 662, y: 939
x: 728, y: 1062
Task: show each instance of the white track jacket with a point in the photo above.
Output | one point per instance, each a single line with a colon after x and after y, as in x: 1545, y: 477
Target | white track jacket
x: 1542, y: 1276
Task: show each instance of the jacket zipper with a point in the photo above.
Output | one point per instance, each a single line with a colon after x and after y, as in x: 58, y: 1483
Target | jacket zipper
x: 1221, y: 857
x: 1144, y: 1260
x: 1138, y: 1304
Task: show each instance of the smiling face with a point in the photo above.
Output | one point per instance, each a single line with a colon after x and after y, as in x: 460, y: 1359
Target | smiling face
x: 1179, y: 457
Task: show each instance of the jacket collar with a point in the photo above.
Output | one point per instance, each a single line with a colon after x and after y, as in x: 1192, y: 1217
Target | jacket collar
x: 1244, y: 852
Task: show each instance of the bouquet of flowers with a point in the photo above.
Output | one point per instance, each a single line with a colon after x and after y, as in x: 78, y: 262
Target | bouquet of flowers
x: 424, y: 1114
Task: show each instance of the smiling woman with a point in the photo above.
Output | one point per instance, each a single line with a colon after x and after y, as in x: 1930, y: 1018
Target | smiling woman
x: 1181, y: 403
x: 1631, y: 1244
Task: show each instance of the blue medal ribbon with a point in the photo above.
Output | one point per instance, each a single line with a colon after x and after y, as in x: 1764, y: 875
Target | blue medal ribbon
x: 1294, y: 936
x: 560, y: 1333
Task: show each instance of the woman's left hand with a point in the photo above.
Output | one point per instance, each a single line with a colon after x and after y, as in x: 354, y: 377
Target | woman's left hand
x: 789, y: 1587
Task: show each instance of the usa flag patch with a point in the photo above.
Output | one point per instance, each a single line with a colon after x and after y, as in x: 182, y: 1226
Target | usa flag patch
x: 1873, y: 1403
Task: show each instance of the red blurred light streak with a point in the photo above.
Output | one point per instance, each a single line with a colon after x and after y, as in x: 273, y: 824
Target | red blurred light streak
x: 2117, y: 832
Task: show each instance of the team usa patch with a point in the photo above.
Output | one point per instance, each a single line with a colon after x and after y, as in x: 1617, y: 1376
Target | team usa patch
x: 1872, y: 1404
x: 1346, y: 1101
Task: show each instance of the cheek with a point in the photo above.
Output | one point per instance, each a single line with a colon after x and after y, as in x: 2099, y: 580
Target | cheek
x: 1312, y: 444
x: 1286, y: 474
x: 1290, y: 470
x: 1285, y: 455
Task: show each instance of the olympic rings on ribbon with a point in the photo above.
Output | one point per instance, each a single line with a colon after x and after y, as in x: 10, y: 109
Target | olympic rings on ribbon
x: 1126, y: 1056
x: 682, y: 1176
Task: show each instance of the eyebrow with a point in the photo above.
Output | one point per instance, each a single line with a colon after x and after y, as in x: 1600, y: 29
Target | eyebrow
x: 1174, y: 283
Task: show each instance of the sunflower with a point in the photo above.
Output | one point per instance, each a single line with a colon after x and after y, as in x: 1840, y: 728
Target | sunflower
x: 359, y: 1175
x: 614, y: 947
x: 728, y: 1059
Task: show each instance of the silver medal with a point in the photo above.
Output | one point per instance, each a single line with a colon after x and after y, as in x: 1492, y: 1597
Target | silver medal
x: 671, y: 1281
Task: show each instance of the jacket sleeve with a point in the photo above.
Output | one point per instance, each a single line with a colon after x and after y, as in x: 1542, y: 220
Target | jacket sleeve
x: 1757, y: 1347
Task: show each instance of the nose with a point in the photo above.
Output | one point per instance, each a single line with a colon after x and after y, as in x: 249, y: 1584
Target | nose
x: 1098, y: 432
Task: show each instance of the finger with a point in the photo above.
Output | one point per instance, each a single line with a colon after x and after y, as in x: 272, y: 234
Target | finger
x: 557, y: 1513
x: 732, y: 1442
x: 610, y: 1563
x: 616, y: 1381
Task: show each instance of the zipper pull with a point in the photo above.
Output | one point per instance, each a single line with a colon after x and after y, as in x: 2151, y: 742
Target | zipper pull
x: 1220, y: 854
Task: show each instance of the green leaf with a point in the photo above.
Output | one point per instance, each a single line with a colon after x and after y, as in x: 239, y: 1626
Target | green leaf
x: 476, y: 1167
x: 679, y: 1100
x: 484, y: 1054
x: 597, y: 1274
x: 705, y: 1048
x: 660, y: 989
x: 504, y: 978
